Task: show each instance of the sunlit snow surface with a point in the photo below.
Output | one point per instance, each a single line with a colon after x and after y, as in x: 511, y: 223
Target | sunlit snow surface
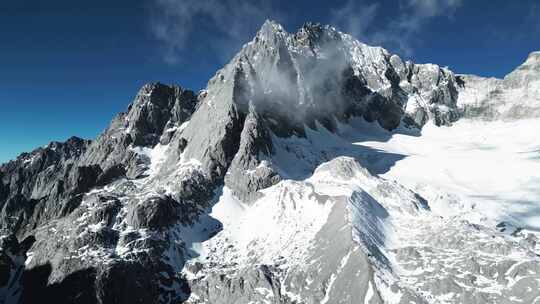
x: 491, y: 167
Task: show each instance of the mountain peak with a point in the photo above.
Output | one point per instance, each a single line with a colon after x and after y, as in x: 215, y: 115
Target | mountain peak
x: 318, y: 73
x: 270, y: 28
x: 526, y: 73
x: 272, y: 24
x: 534, y: 53
x: 533, y: 59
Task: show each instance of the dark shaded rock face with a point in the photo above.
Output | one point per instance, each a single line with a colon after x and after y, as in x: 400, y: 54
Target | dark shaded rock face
x: 12, y: 257
x: 113, y: 217
x: 46, y: 178
x: 75, y: 288
x: 114, y: 286
x: 255, y: 143
x: 154, y: 212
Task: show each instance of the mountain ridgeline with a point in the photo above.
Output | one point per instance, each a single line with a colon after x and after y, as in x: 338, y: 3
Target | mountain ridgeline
x: 116, y: 219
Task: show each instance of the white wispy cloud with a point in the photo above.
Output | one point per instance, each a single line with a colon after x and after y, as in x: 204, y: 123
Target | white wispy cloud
x: 355, y: 17
x: 433, y: 8
x: 401, y: 33
x: 227, y: 24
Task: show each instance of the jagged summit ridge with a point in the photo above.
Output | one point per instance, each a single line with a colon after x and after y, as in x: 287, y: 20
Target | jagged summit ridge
x: 320, y: 71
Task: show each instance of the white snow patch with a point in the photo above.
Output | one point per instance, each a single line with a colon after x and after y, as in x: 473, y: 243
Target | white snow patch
x: 492, y: 167
x: 369, y: 293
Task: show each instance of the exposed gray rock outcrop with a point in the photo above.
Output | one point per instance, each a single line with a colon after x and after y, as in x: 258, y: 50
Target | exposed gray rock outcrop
x: 156, y: 113
x: 46, y: 194
x: 48, y: 178
x: 248, y: 173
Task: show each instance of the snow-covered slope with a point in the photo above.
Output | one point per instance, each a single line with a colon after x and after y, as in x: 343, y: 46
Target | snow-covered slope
x: 317, y: 240
x: 482, y: 182
x: 492, y: 167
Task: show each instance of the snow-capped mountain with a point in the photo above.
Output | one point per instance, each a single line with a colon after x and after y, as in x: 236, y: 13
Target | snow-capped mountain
x: 312, y: 169
x: 516, y: 96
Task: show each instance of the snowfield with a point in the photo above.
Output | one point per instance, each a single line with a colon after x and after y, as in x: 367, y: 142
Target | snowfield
x: 492, y: 168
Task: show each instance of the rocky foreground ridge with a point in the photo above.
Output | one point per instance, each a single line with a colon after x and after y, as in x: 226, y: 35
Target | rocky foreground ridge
x: 234, y: 194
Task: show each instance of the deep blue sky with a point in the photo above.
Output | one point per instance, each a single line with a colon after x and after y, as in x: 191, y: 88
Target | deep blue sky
x: 67, y: 67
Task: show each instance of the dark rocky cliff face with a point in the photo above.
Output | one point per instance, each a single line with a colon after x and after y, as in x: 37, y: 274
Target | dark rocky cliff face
x: 111, y: 217
x: 47, y: 178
